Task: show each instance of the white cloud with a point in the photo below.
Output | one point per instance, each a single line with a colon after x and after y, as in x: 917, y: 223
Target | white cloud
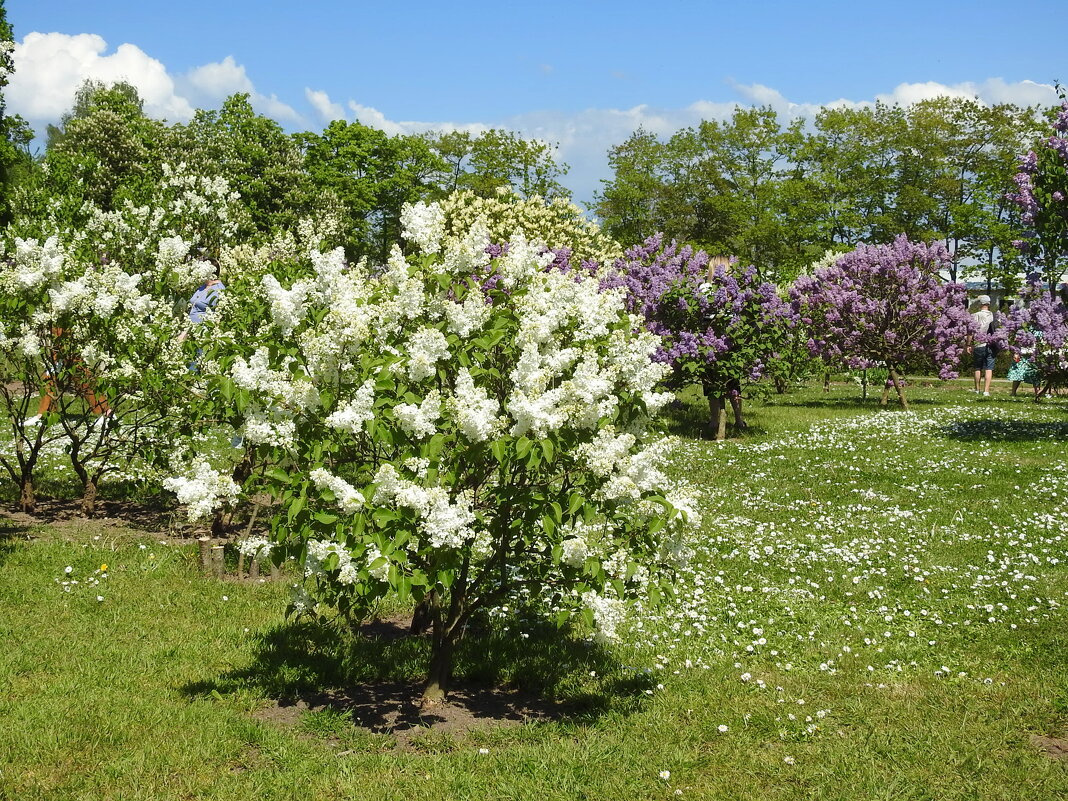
x: 328, y: 111
x: 49, y: 68
x: 221, y: 78
x: 210, y: 84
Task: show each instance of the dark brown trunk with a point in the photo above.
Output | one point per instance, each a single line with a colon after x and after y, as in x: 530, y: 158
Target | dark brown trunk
x: 27, y: 501
x: 89, y: 498
x: 437, y: 679
x: 422, y: 617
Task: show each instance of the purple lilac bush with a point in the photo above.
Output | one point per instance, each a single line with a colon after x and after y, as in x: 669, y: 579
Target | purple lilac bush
x: 1037, y: 329
x: 719, y: 324
x: 885, y: 305
x: 1042, y: 196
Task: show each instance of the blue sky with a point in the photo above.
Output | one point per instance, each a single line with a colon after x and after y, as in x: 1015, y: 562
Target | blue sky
x: 583, y: 74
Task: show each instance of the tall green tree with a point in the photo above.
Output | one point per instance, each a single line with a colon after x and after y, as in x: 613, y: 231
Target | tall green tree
x: 105, y: 149
x: 258, y: 159
x: 15, y: 134
x: 372, y: 175
x: 498, y: 159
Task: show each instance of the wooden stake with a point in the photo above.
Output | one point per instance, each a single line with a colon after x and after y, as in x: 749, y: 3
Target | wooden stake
x: 205, y: 555
x: 218, y: 563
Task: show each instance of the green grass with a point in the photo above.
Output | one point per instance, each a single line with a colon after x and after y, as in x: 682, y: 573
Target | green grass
x: 832, y: 529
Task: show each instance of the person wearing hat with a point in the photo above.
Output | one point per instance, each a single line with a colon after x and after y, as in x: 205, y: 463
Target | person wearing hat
x: 980, y: 347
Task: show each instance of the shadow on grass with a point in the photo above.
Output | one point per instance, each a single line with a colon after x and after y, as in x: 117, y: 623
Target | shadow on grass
x: 1005, y: 430
x: 848, y: 404
x: 375, y: 677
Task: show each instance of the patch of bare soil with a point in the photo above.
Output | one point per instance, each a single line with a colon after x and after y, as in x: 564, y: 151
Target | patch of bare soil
x: 1053, y: 747
x: 392, y: 708
x: 110, y: 514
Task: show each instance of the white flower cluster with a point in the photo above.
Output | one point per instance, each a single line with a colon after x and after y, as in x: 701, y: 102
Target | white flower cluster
x: 575, y: 550
x: 348, y: 498
x: 256, y: 375
x: 319, y: 551
x: 377, y: 564
x: 418, y: 422
x: 426, y: 348
x: 444, y: 524
x: 35, y: 263
x: 287, y: 306
x: 203, y: 489
x: 352, y: 415
x: 608, y: 613
x: 477, y: 415
x: 424, y: 225
x: 255, y: 547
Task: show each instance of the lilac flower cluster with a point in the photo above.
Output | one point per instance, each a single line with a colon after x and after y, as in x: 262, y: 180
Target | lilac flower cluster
x: 1037, y: 329
x: 719, y: 323
x: 1041, y: 192
x: 884, y: 304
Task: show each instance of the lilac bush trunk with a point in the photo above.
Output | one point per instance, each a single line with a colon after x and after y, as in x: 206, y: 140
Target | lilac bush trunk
x: 719, y: 325
x: 1042, y: 197
x: 885, y: 305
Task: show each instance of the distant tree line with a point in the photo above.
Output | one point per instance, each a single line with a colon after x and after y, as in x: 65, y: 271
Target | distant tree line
x: 781, y: 195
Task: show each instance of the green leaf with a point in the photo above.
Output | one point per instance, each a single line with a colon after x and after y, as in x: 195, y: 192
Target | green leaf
x: 522, y: 447
x: 548, y: 524
x: 279, y: 475
x: 558, y: 513
x: 296, y: 507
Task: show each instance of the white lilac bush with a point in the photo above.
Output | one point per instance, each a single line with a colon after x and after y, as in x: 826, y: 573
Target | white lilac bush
x: 463, y: 425
x: 91, y: 312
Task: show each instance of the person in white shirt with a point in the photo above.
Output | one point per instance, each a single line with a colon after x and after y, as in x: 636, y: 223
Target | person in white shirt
x: 980, y: 348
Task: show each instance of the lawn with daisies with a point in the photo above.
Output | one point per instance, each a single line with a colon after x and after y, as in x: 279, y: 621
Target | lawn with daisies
x: 877, y: 610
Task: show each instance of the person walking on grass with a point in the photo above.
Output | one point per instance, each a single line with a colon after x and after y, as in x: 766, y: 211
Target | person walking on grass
x: 980, y: 347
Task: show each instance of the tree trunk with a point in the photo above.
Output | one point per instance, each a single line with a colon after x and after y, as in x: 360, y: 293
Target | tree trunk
x: 864, y: 384
x: 717, y: 419
x: 826, y: 382
x: 421, y: 616
x: 89, y: 497
x: 27, y: 501
x: 739, y: 420
x: 900, y: 387
x: 218, y: 524
x: 437, y: 680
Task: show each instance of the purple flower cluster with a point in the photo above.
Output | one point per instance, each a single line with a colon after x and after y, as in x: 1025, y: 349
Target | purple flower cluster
x: 885, y: 305
x: 1041, y: 192
x: 719, y: 323
x: 1037, y: 328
